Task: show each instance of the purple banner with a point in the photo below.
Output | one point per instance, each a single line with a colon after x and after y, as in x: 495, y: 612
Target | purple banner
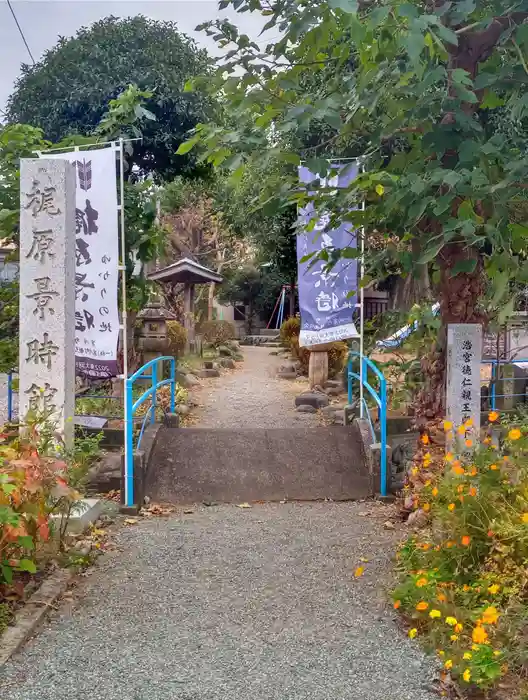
x: 326, y: 308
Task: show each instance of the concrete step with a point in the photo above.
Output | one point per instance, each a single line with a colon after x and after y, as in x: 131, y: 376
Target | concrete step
x: 260, y: 339
x: 232, y: 466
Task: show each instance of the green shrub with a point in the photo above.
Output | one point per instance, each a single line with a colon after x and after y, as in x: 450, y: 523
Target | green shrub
x: 337, y: 356
x: 217, y: 332
x: 177, y: 338
x: 290, y: 329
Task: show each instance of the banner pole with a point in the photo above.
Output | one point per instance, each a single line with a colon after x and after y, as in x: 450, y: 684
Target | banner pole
x: 362, y: 317
x: 124, y: 324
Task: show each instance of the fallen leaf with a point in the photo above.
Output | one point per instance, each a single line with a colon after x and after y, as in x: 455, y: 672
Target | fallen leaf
x: 359, y: 571
x: 98, y: 532
x: 243, y: 505
x: 131, y: 521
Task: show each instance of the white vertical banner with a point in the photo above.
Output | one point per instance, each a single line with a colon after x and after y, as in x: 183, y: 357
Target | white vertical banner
x: 96, y: 261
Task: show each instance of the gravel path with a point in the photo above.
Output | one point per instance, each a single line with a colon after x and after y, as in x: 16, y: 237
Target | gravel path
x: 232, y: 604
x: 252, y: 396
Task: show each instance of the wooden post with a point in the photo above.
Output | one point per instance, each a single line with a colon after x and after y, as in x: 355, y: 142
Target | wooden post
x: 188, y: 313
x: 318, y: 369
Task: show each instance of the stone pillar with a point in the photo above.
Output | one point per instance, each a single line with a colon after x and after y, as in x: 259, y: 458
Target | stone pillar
x: 47, y: 292
x: 318, y: 369
x: 188, y: 314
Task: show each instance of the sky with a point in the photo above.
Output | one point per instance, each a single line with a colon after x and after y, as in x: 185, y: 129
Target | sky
x: 43, y: 21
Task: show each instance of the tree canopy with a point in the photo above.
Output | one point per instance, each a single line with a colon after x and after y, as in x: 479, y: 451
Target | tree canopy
x: 422, y: 86
x: 67, y: 92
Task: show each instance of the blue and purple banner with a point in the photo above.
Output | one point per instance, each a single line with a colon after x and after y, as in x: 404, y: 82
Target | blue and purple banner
x: 324, y: 301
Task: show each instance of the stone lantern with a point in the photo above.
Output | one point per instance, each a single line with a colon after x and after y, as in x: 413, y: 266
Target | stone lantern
x: 153, y: 332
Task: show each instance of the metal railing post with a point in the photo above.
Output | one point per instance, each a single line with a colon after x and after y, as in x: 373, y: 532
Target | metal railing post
x: 383, y: 430
x: 173, y: 386
x: 10, y: 396
x: 349, y: 377
x: 154, y: 391
x: 493, y: 385
x: 129, y: 439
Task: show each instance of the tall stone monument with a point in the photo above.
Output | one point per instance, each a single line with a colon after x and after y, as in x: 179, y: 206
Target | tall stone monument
x: 47, y: 292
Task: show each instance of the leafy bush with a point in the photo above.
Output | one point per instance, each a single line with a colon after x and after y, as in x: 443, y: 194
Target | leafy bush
x: 337, y: 356
x: 32, y: 486
x: 290, y: 329
x: 217, y: 332
x: 177, y: 338
x: 464, y: 583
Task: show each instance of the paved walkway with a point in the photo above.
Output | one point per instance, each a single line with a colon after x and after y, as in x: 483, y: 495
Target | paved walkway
x: 252, y: 396
x: 232, y: 604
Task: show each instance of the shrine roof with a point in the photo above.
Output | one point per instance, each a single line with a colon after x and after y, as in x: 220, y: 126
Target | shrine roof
x: 186, y: 271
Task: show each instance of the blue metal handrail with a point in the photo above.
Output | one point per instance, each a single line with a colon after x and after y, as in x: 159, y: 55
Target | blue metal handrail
x: 495, y: 364
x: 380, y: 398
x: 131, y: 407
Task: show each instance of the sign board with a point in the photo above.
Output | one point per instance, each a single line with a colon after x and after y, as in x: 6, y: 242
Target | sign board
x: 47, y: 292
x: 324, y: 301
x: 96, y: 261
x: 96, y: 422
x: 464, y: 352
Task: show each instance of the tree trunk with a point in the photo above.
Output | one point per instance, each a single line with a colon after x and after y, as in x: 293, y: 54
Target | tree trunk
x: 210, y: 300
x: 459, y: 303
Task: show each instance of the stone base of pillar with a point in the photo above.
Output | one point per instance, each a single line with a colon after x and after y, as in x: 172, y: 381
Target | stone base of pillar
x: 318, y: 369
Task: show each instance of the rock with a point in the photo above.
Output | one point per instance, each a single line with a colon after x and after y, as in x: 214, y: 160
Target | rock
x: 207, y: 373
x: 238, y: 357
x: 315, y: 399
x: 274, y: 352
x: 182, y: 409
x: 418, y: 518
x: 287, y: 368
x: 224, y: 351
x: 306, y: 409
x: 228, y: 362
x: 334, y: 391
x: 208, y: 364
x: 187, y: 381
x: 332, y: 384
x: 388, y: 525
x: 287, y: 375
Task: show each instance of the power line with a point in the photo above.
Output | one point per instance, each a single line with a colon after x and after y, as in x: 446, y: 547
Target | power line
x: 20, y: 30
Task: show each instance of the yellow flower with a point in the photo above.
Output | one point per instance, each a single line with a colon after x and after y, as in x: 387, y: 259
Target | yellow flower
x: 451, y: 621
x: 459, y: 628
x: 413, y: 633
x: 467, y: 655
x: 493, y: 467
x: 448, y: 425
x: 422, y: 605
x: 435, y: 614
x: 426, y: 507
x: 467, y: 675
x: 414, y: 471
x: 434, y: 492
x: 525, y: 518
x: 496, y: 653
x: 469, y: 423
x: 475, y: 647
x: 514, y: 434
x: 479, y: 635
x: 490, y: 615
x: 424, y: 439
x: 451, y: 507
x: 441, y: 653
x: 461, y: 430
x: 494, y: 589
x: 493, y: 416
x: 359, y: 571
x: 380, y: 190
x: 421, y: 582
x: 454, y: 637
x: 449, y: 457
x: 448, y: 664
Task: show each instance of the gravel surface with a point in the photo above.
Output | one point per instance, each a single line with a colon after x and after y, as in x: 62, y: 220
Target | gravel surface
x: 252, y: 396
x: 232, y: 604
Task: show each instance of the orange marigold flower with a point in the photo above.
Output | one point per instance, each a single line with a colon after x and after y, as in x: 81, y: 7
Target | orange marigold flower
x: 490, y: 615
x: 479, y: 635
x: 473, y: 471
x: 434, y: 492
x: 514, y: 434
x: 441, y: 598
x: 424, y: 439
x: 460, y: 489
x: 466, y: 540
x: 449, y: 457
x: 461, y: 430
x: 487, y: 441
x: 493, y: 467
x: 469, y: 443
x: 493, y: 416
x: 359, y: 571
x: 458, y: 470
x: 397, y: 604
x: 448, y: 425
x: 451, y: 507
x: 448, y: 664
x: 472, y: 491
x: 421, y: 582
x: 459, y: 628
x: 450, y: 544
x: 466, y: 588
x: 422, y: 605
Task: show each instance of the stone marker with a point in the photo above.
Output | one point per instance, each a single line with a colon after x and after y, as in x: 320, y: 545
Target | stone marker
x: 464, y: 350
x: 47, y: 292
x: 97, y: 422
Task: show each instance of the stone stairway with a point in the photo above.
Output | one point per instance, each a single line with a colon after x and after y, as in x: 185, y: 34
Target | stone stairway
x: 233, y: 466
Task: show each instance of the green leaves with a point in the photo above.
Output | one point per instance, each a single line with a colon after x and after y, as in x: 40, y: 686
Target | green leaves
x: 187, y: 146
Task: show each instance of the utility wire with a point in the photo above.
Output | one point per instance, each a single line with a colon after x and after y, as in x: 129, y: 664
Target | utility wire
x: 20, y: 30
